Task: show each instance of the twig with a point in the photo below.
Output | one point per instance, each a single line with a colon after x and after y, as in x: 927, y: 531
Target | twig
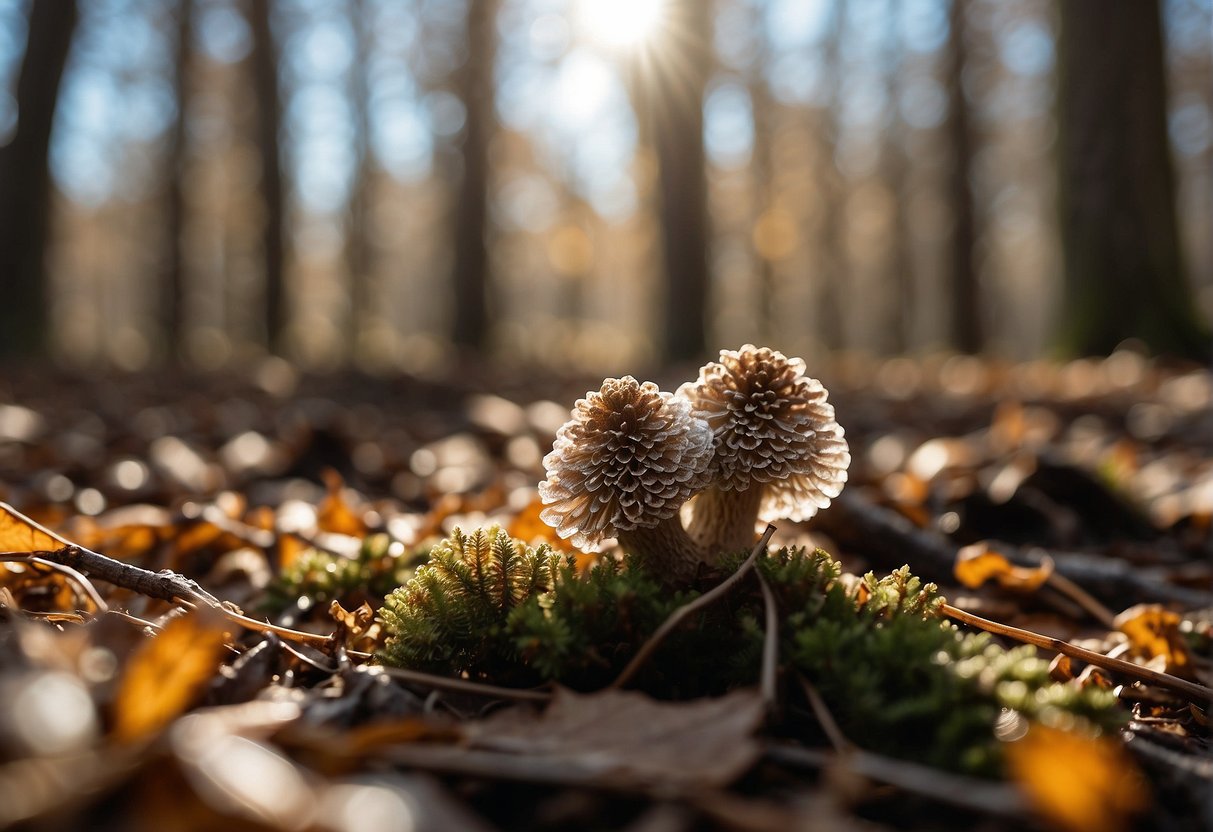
x: 954, y: 789
x: 416, y: 677
x: 165, y: 585
x: 770, y: 647
x: 888, y: 539
x: 711, y: 596
x: 84, y: 583
x: 1083, y: 598
x: 1134, y: 671
x: 825, y: 718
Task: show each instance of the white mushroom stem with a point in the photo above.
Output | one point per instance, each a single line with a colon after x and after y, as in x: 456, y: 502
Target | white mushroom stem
x: 723, y: 522
x: 666, y: 549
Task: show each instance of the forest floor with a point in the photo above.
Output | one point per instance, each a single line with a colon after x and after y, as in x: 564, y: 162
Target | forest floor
x: 1071, y: 501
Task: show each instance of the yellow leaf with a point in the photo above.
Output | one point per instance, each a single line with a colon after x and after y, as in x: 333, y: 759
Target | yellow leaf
x: 1079, y: 783
x: 977, y: 564
x: 18, y: 533
x: 1154, y: 631
x: 166, y: 674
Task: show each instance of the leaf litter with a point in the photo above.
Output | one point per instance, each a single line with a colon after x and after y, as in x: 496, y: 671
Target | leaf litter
x: 173, y: 710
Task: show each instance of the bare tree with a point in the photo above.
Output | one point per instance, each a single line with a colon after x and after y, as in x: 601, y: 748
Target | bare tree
x: 1124, y: 274
x: 673, y: 105
x: 828, y: 252
x: 894, y: 171
x: 172, y: 281
x: 967, y: 329
x: 474, y: 82
x: 25, y: 183
x: 358, y: 245
x: 264, y: 60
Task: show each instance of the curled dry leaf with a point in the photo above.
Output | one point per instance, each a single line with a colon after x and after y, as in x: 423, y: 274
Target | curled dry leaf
x: 978, y: 564
x: 167, y: 673
x: 1153, y: 632
x: 1079, y: 783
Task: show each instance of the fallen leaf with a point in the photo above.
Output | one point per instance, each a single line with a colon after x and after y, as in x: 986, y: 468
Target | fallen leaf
x: 18, y: 533
x: 632, y: 740
x: 978, y: 563
x: 1081, y: 784
x: 167, y: 673
x: 1153, y: 631
x: 334, y: 514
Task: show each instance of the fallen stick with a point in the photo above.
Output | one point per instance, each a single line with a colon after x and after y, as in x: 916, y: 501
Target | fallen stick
x: 164, y: 585
x: 1200, y: 693
x: 890, y: 540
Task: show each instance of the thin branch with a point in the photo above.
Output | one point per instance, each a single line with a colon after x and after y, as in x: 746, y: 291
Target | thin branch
x: 79, y: 580
x: 676, y: 617
x: 1134, y: 671
x: 165, y: 585
x: 1083, y: 598
x: 953, y: 789
x: 770, y: 647
x: 825, y: 718
x: 416, y: 677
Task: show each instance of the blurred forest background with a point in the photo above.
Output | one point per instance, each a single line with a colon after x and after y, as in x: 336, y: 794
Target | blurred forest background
x: 597, y: 183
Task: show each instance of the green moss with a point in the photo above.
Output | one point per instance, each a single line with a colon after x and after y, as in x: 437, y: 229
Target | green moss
x: 379, y: 567
x: 899, y: 679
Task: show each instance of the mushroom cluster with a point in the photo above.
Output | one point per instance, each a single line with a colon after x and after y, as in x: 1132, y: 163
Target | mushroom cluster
x: 753, y: 438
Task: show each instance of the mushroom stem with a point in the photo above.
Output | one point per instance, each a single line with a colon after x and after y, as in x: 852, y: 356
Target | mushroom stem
x: 723, y: 522
x: 666, y: 549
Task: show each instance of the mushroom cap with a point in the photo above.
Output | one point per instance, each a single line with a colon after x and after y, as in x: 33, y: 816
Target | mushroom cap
x: 772, y: 426
x: 629, y: 457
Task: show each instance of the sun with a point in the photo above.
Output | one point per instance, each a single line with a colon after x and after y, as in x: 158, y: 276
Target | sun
x: 620, y: 24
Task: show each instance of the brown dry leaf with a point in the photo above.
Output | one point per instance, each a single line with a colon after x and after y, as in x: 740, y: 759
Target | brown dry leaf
x: 18, y: 533
x: 1081, y: 784
x: 1153, y: 631
x: 630, y: 740
x: 356, y: 628
x: 334, y: 514
x: 166, y: 674
x: 978, y: 563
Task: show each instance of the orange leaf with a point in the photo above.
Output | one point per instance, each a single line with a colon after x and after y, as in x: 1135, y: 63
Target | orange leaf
x: 167, y: 673
x: 334, y: 514
x: 977, y: 564
x: 18, y: 533
x: 1154, y: 631
x: 528, y: 527
x: 1079, y: 783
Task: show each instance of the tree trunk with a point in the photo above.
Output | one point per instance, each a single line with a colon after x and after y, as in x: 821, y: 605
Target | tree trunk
x: 1124, y: 273
x: 895, y: 171
x: 269, y: 116
x: 25, y: 182
x: 678, y: 76
x: 358, y: 244
x: 828, y: 316
x: 967, y: 328
x: 172, y: 282
x: 471, y: 277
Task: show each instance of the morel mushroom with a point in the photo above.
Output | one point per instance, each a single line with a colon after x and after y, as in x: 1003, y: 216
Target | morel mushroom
x: 623, y: 466
x: 778, y: 451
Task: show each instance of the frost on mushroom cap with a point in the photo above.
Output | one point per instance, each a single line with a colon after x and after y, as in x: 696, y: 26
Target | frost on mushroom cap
x: 629, y: 458
x: 772, y: 426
